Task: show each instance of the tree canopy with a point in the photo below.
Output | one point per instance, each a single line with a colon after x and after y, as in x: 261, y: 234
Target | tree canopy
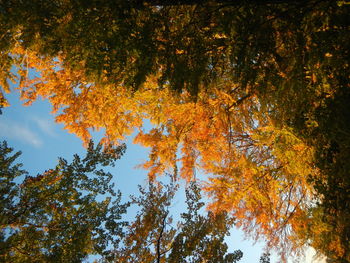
x: 72, y: 211
x: 61, y: 215
x: 257, y: 44
x: 252, y: 93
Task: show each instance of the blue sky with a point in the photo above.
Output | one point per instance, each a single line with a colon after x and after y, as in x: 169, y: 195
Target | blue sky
x: 33, y: 131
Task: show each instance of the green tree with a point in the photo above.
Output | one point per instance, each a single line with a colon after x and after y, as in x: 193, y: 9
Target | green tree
x: 61, y: 215
x: 153, y: 237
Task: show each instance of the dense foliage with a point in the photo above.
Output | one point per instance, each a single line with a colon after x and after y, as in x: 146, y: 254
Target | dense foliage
x: 253, y: 93
x: 61, y: 215
x: 72, y: 211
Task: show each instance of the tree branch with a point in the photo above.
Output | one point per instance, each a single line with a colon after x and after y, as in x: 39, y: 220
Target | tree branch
x: 160, y: 237
x: 239, y: 101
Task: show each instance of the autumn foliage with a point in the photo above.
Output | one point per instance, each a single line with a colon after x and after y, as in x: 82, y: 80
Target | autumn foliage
x: 255, y: 170
x: 244, y: 93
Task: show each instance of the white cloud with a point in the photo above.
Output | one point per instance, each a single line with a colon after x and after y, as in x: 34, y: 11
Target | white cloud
x: 16, y: 131
x: 45, y: 125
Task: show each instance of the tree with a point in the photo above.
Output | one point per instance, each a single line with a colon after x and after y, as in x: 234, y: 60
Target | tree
x: 147, y: 238
x: 61, y: 215
x: 202, y: 236
x: 330, y: 231
x: 265, y: 258
x: 251, y: 81
x: 152, y: 236
x: 186, y: 45
x: 258, y: 168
